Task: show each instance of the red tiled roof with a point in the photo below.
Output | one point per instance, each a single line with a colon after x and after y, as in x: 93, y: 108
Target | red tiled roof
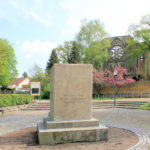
x: 17, y: 81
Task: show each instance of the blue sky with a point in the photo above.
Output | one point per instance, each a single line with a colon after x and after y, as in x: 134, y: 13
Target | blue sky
x: 35, y: 27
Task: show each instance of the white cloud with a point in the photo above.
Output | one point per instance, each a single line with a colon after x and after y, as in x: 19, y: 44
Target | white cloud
x: 72, y: 26
x: 73, y: 23
x: 116, y: 15
x: 36, y: 16
x: 37, y: 46
x: 37, y: 51
x: 34, y: 52
x: 27, y: 56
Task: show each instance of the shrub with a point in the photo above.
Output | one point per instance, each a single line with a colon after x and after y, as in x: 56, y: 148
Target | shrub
x: 45, y: 94
x: 5, y: 100
x: 24, y: 99
x: 14, y: 99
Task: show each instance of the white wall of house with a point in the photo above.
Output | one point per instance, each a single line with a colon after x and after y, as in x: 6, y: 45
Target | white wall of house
x: 14, y: 87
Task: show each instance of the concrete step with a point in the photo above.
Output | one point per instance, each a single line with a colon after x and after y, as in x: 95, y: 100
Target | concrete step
x: 41, y: 104
x: 102, y: 107
x: 38, y: 107
x: 120, y: 104
x: 128, y: 107
x: 30, y: 109
x: 116, y: 107
x: 45, y: 105
x: 117, y: 102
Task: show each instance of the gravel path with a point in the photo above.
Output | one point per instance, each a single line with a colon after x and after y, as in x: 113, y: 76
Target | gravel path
x: 137, y: 121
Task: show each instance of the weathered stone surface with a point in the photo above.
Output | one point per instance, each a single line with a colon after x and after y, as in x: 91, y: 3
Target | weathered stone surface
x: 70, y: 116
x: 84, y: 134
x: 71, y: 92
x: 70, y: 124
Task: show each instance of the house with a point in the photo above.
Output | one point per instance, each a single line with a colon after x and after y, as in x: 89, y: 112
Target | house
x: 20, y: 84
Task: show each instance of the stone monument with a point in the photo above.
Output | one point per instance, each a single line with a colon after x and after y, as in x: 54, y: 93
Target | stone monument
x: 70, y: 118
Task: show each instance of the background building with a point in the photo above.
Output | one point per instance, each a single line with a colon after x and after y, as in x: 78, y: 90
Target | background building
x: 20, y: 84
x: 118, y: 57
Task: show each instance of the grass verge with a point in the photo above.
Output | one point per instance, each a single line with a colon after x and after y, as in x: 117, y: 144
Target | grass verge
x: 145, y: 107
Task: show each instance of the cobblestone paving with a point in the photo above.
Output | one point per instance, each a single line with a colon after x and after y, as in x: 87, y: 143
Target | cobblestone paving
x: 137, y: 121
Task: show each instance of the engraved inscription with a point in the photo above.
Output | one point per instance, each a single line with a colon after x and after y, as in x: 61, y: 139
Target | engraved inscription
x: 73, y: 98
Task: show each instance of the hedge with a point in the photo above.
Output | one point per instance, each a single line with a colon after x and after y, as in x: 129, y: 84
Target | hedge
x: 14, y: 99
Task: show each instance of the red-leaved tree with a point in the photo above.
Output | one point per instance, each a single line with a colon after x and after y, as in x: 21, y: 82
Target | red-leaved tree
x: 106, y: 78
x: 98, y: 81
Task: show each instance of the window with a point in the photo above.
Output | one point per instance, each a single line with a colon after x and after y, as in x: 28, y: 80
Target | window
x: 116, y: 52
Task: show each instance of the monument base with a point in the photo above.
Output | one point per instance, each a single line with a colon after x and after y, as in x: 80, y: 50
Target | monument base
x: 54, y: 132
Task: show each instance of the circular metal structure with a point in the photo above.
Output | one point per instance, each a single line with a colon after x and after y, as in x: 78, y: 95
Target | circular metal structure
x: 116, y: 52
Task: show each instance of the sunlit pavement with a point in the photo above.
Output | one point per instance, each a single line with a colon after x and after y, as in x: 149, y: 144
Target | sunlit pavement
x: 137, y: 121
x: 14, y: 121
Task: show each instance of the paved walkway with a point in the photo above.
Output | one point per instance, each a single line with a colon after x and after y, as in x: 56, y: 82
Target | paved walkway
x: 14, y: 121
x: 137, y: 121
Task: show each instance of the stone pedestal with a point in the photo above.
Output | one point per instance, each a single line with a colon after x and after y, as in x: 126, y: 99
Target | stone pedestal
x: 70, y: 107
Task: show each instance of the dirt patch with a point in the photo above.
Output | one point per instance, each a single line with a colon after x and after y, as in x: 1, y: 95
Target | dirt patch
x: 26, y: 139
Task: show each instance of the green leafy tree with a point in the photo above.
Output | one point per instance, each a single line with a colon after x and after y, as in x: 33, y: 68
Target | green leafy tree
x: 38, y: 75
x: 74, y: 56
x: 25, y: 75
x: 8, y: 70
x: 90, y: 31
x: 94, y: 43
x: 97, y: 54
x: 140, y: 43
x: 52, y: 60
x: 64, y: 51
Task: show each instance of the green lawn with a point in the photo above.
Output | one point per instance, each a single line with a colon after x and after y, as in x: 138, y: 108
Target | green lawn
x: 145, y: 107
